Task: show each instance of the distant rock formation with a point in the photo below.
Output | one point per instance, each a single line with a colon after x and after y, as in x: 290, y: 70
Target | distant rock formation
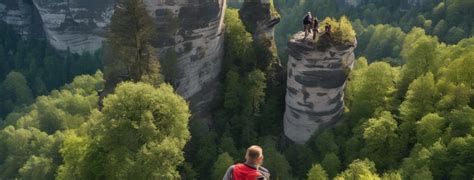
x: 317, y: 74
x: 260, y: 18
x: 75, y: 25
x: 22, y: 17
x: 352, y: 3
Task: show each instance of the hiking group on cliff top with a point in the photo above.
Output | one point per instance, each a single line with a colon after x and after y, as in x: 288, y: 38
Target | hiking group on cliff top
x: 311, y: 25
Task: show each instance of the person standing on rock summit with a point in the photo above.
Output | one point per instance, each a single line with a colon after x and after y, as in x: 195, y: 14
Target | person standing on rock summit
x: 307, y: 20
x: 252, y: 168
x: 315, y: 27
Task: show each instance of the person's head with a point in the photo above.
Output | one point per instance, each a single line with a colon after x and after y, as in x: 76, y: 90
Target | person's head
x: 309, y: 13
x: 254, y: 155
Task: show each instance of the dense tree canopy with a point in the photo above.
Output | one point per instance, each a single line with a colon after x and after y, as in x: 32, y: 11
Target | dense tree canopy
x: 408, y: 101
x: 140, y: 133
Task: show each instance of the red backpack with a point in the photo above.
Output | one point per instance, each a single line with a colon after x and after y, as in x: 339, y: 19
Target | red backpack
x: 245, y: 172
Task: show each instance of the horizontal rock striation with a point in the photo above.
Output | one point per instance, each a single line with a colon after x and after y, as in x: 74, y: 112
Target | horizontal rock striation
x: 22, y: 16
x: 75, y: 25
x: 195, y: 32
x: 317, y: 73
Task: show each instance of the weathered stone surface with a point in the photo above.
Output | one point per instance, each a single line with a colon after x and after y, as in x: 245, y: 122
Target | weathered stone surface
x: 77, y: 25
x: 260, y: 19
x: 317, y: 73
x: 22, y: 16
x: 194, y: 30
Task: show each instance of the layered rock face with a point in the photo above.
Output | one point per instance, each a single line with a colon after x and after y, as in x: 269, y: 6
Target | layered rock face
x: 195, y: 32
x: 317, y: 74
x: 260, y: 19
x: 74, y: 25
x: 77, y: 25
x: 22, y: 16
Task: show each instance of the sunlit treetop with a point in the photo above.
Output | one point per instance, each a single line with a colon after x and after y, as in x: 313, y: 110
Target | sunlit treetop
x: 341, y: 31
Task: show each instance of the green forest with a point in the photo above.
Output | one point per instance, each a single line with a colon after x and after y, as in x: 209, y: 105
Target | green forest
x: 408, y: 110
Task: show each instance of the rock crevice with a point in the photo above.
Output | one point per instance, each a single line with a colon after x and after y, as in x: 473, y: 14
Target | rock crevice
x: 317, y: 74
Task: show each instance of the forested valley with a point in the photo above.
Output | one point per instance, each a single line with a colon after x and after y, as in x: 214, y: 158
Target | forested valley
x: 408, y: 101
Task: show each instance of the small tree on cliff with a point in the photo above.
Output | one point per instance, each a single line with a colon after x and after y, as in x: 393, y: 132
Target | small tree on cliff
x: 128, y: 51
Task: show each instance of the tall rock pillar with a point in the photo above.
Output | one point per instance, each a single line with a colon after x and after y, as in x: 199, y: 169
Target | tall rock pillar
x: 260, y: 19
x: 317, y: 74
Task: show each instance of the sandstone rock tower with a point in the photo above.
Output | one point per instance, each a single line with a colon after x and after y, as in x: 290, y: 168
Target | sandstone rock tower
x: 317, y: 73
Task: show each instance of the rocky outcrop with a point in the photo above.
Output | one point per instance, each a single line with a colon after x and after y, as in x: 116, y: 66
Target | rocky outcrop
x: 317, y: 73
x: 260, y: 19
x: 194, y: 31
x: 75, y: 25
x: 22, y: 16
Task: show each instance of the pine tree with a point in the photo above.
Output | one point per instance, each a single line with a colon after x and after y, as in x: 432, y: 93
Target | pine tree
x: 255, y: 94
x: 331, y: 164
x: 317, y: 173
x: 128, y: 51
x: 220, y: 166
x: 14, y: 93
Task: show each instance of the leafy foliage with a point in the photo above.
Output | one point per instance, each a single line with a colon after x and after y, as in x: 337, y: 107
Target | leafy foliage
x: 317, y: 173
x: 358, y: 170
x: 341, y: 30
x: 30, y: 68
x: 140, y: 133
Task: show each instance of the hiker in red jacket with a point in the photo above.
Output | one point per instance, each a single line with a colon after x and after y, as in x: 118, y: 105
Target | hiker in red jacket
x: 251, y: 169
